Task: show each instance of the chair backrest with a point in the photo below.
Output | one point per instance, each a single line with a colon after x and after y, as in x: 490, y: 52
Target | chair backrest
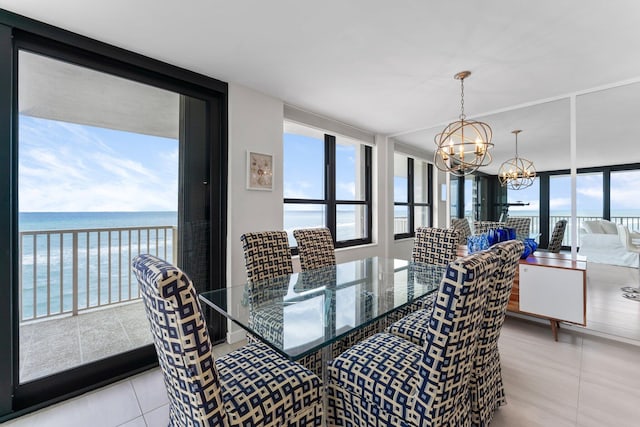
x: 315, y: 247
x: 463, y: 227
x: 521, y: 224
x: 625, y: 238
x: 451, y: 339
x: 508, y: 254
x: 480, y: 227
x: 555, y: 242
x: 182, y: 343
x: 435, y: 245
x: 266, y: 254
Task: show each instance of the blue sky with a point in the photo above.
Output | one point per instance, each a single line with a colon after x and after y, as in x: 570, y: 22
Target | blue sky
x: 65, y: 167
x: 304, y: 168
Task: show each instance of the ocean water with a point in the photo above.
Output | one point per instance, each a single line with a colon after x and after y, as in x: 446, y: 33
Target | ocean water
x: 102, y: 258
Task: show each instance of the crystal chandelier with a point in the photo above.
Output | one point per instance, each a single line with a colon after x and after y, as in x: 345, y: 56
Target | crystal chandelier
x: 516, y: 173
x: 463, y: 146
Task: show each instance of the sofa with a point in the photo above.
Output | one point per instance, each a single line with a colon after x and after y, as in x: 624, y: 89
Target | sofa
x: 606, y: 242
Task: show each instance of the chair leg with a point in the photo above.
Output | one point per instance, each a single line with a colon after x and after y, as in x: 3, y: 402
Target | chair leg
x: 555, y: 325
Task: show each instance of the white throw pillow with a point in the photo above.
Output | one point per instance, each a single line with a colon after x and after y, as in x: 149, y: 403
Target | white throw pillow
x: 609, y: 227
x: 594, y: 227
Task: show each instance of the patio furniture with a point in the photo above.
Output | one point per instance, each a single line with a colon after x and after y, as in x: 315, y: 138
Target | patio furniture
x: 253, y: 385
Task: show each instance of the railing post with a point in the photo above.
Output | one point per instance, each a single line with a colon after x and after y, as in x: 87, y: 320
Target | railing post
x: 174, y: 246
x: 74, y: 273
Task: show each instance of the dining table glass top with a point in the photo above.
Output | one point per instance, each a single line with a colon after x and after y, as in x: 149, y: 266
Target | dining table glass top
x: 300, y: 313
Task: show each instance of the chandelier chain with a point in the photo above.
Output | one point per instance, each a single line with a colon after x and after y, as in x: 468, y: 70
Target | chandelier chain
x: 462, y: 115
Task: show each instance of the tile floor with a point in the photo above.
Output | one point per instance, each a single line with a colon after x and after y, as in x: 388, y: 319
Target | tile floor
x: 581, y: 381
x: 59, y: 343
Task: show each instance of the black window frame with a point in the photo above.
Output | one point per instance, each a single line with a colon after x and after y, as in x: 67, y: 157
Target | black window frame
x: 411, y: 204
x: 331, y: 202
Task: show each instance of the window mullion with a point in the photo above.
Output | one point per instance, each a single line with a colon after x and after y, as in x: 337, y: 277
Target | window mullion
x: 330, y: 183
x: 410, y: 196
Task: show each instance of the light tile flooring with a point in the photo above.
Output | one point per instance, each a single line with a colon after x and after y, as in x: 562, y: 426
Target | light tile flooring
x: 581, y: 380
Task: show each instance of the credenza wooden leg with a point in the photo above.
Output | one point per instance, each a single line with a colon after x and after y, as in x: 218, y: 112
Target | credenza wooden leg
x: 555, y: 325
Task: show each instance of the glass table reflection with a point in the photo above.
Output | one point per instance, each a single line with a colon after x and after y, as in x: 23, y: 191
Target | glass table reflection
x: 299, y: 314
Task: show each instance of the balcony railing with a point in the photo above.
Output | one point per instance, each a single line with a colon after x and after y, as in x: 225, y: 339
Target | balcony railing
x: 67, y: 271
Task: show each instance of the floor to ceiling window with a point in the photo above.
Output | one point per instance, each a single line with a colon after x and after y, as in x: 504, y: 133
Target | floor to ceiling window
x: 412, y: 195
x: 625, y: 198
x: 526, y: 203
x: 327, y: 183
x: 101, y: 151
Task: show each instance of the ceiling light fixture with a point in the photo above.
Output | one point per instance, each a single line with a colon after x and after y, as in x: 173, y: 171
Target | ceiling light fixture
x: 463, y: 146
x: 516, y: 173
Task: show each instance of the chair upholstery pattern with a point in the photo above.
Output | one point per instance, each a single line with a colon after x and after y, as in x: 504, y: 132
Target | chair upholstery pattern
x: 315, y: 247
x: 435, y: 245
x: 373, y: 383
x: 521, y: 224
x: 487, y: 390
x: 250, y: 386
x: 480, y: 227
x: 463, y: 227
x: 555, y: 242
x: 266, y: 254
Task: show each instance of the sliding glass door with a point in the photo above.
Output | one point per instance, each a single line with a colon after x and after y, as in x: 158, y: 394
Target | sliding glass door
x: 110, y: 161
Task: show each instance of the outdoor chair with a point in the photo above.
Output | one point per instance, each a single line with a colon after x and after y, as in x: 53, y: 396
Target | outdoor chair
x: 487, y: 390
x: 249, y: 386
x: 386, y: 380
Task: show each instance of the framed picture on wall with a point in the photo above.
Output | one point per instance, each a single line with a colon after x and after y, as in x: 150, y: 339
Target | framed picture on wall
x: 259, y: 171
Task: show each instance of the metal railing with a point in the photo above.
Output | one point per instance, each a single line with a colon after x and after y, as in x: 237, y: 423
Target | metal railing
x: 632, y: 223
x: 67, y: 271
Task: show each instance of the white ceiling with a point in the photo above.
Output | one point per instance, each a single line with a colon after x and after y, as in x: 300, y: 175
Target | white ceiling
x: 387, y: 67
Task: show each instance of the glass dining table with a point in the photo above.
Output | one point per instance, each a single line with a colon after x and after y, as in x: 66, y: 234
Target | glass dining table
x: 302, y: 313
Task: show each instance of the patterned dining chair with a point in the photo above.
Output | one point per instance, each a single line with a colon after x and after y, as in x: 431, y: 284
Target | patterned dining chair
x: 463, y: 227
x: 521, y: 224
x: 266, y: 254
x: 436, y: 246
x: 267, y: 257
x: 555, y: 242
x: 480, y: 227
x: 315, y: 247
x: 386, y: 380
x: 249, y: 386
x: 487, y: 390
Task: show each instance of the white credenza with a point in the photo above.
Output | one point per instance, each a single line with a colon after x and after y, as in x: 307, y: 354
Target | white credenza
x: 551, y: 286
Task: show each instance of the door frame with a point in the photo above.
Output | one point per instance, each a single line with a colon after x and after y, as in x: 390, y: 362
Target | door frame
x: 21, y: 33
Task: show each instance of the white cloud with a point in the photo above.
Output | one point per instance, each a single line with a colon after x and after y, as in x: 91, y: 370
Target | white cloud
x: 65, y: 168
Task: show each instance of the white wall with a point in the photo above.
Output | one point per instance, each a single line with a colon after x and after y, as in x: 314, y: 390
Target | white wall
x: 256, y: 124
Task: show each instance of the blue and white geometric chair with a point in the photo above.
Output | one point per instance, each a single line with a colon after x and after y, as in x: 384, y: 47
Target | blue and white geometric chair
x: 463, y: 227
x: 555, y: 242
x: 266, y: 254
x: 315, y: 247
x: 486, y: 387
x: 389, y: 381
x: 435, y: 246
x: 521, y: 224
x: 250, y: 386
